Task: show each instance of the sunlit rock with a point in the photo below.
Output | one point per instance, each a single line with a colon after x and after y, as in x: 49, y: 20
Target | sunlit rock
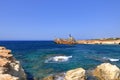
x: 107, y: 71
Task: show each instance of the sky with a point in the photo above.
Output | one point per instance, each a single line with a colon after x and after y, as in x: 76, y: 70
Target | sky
x: 49, y: 19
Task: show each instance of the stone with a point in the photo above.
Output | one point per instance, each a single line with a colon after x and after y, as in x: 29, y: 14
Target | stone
x: 2, y: 48
x: 107, y: 71
x: 75, y: 74
x: 7, y: 77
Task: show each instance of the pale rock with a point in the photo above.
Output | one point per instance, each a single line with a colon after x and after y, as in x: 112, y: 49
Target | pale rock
x: 10, y: 68
x: 75, y: 74
x: 107, y: 71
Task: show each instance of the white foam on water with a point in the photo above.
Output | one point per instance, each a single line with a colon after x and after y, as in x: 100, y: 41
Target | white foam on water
x: 58, y: 59
x: 111, y: 59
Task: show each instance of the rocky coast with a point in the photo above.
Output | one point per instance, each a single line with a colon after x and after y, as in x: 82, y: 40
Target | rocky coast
x: 72, y: 40
x: 10, y: 68
x: 104, y: 71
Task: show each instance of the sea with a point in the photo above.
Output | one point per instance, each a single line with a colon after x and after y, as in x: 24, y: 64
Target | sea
x: 43, y: 58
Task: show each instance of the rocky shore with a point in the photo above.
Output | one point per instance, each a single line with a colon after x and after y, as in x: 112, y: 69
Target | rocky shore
x: 99, y: 41
x: 10, y: 68
x: 104, y: 71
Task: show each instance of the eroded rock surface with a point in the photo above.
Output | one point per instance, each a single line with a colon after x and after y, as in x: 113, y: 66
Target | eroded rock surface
x: 75, y: 74
x: 10, y: 68
x: 107, y: 71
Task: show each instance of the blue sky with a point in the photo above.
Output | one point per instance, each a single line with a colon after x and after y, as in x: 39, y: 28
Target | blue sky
x: 48, y: 19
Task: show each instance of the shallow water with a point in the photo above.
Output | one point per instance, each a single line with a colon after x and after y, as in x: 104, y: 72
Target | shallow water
x: 33, y: 55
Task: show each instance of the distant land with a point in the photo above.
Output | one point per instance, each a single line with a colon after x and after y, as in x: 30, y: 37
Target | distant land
x: 72, y: 40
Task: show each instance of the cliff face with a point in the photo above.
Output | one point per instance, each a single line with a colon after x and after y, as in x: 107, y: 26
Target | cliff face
x: 10, y: 68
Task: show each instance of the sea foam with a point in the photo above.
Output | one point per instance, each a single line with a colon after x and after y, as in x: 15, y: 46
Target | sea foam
x: 111, y: 59
x: 58, y: 59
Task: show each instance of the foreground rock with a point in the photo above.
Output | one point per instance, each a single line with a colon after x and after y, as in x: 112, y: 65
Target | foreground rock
x: 75, y: 74
x: 106, y: 71
x: 10, y: 68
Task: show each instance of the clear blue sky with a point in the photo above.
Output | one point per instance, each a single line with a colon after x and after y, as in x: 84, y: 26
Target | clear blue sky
x: 47, y: 19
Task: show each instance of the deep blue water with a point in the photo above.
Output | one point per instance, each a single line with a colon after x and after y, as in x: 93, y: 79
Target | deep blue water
x: 33, y: 54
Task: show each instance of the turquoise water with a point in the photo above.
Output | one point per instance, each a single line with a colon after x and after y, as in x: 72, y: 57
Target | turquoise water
x: 33, y: 54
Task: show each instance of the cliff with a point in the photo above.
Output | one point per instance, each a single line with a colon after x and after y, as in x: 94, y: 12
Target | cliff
x: 10, y: 68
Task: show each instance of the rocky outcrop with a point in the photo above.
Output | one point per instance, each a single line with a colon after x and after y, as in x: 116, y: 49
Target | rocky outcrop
x: 75, y: 74
x: 71, y: 40
x: 99, y: 41
x: 10, y: 68
x: 107, y: 71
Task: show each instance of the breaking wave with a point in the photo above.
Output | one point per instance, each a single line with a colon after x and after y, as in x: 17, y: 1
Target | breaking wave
x: 58, y: 59
x: 110, y: 59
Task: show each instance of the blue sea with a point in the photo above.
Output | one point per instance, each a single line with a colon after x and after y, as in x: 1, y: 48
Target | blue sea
x: 37, y: 57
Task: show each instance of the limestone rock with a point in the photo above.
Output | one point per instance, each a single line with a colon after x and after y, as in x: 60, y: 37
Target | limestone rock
x: 7, y: 77
x: 2, y: 48
x: 107, y: 71
x: 75, y: 74
x: 10, y: 68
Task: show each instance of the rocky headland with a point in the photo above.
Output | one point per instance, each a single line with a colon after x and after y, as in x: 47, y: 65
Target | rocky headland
x: 10, y: 68
x: 71, y: 40
x: 104, y: 71
x: 100, y: 41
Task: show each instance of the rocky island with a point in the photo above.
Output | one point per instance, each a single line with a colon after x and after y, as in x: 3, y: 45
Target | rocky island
x: 10, y: 68
x: 71, y: 40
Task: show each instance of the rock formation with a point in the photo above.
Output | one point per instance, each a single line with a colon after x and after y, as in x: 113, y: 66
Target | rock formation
x: 75, y: 74
x: 71, y: 40
x: 10, y: 68
x: 99, y: 41
x: 106, y: 71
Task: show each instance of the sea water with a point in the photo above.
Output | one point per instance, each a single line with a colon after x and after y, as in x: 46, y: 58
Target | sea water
x: 42, y: 58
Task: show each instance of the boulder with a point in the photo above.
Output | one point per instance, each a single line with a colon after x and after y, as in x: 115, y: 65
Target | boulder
x: 75, y: 74
x: 107, y: 71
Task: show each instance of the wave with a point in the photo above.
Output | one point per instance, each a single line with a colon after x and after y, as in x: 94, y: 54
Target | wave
x: 58, y: 59
x: 110, y: 59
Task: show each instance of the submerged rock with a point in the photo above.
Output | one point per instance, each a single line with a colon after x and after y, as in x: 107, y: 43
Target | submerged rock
x: 10, y: 68
x: 107, y: 71
x: 75, y: 74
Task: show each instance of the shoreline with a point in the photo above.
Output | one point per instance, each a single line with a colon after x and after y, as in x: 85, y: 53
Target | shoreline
x: 71, y: 40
